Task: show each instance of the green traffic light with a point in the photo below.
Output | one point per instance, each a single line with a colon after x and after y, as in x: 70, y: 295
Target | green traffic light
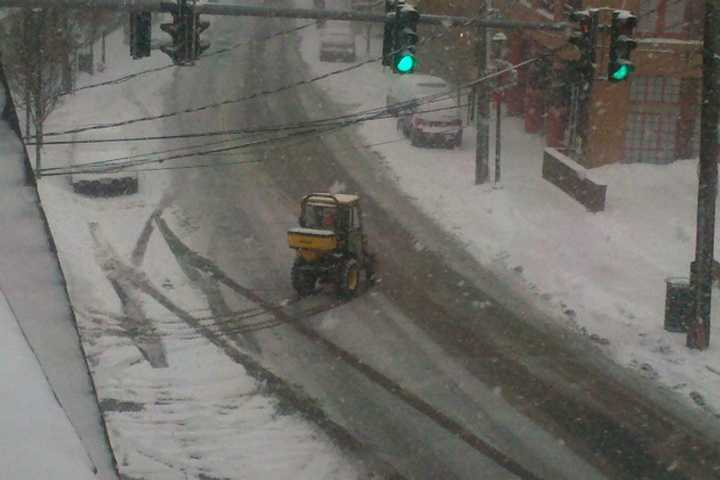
x: 406, y: 64
x: 621, y: 73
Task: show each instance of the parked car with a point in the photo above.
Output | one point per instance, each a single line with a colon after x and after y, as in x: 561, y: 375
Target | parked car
x: 437, y: 123
x: 337, y: 42
x: 104, y: 184
x: 405, y: 88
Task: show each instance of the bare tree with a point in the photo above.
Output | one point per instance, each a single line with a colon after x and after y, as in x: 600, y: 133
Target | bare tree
x: 36, y: 50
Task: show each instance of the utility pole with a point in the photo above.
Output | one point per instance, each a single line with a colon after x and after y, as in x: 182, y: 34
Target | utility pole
x: 481, y: 98
x: 498, y: 138
x: 698, y: 335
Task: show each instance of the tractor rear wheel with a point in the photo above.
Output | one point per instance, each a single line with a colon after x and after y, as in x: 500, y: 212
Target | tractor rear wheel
x: 303, y: 280
x: 349, y: 278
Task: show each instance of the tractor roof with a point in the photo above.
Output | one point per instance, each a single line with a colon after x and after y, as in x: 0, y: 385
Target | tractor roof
x: 341, y: 198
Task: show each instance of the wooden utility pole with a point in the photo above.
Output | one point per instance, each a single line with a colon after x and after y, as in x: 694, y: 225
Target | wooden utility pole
x: 698, y: 335
x: 482, y: 123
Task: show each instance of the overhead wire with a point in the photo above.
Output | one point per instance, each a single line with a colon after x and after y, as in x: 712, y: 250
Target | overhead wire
x: 213, y: 53
x: 376, y: 113
x: 123, y: 163
x: 252, y: 96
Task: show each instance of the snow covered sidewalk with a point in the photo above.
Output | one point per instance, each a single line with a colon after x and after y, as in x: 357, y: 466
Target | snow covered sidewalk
x: 177, y: 402
x: 42, y: 433
x: 38, y: 440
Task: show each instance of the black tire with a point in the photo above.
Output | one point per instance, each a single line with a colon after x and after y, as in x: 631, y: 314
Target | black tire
x: 349, y: 279
x: 303, y: 281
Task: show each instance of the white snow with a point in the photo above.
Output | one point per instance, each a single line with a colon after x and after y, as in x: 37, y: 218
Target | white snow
x: 177, y: 415
x: 602, y: 274
x: 37, y: 438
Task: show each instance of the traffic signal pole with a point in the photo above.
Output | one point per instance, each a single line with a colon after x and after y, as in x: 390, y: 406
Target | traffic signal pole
x: 698, y: 334
x: 261, y: 11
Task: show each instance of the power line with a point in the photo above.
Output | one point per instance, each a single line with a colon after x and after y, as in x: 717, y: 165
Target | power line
x: 115, y: 165
x: 121, y: 163
x: 131, y: 76
x: 282, y: 127
x: 378, y: 112
x: 240, y: 99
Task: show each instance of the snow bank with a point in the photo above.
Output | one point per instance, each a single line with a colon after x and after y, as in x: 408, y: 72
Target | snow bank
x: 38, y: 440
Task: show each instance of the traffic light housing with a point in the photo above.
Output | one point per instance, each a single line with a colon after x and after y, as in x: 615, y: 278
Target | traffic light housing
x: 199, y: 45
x: 185, y: 31
x: 621, y: 46
x: 179, y: 31
x: 140, y: 34
x: 406, y: 37
x: 585, y: 34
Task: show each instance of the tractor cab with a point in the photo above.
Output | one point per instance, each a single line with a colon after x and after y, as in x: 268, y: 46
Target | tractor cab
x: 330, y: 243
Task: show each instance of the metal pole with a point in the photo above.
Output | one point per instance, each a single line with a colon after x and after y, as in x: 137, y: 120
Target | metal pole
x: 27, y: 22
x: 367, y: 44
x: 481, y: 117
x: 498, y: 119
x: 272, y: 12
x: 39, y: 27
x: 698, y: 335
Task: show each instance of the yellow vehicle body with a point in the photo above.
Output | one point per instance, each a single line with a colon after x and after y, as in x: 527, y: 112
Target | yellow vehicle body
x: 312, y: 244
x: 330, y: 244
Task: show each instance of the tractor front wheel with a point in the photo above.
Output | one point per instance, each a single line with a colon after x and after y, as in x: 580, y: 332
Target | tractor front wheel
x: 349, y: 279
x: 303, y: 280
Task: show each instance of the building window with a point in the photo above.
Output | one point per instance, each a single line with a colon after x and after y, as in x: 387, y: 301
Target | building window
x: 655, y: 90
x: 650, y: 137
x: 662, y: 17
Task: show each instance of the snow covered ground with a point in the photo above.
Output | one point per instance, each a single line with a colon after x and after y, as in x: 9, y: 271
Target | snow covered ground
x: 602, y: 274
x: 38, y: 440
x: 173, y: 415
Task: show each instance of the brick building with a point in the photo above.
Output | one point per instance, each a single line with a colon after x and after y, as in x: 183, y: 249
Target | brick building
x: 653, y: 117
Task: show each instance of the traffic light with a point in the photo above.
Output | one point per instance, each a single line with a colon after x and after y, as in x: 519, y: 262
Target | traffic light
x: 621, y: 45
x: 179, y: 30
x: 140, y: 34
x: 585, y: 34
x: 185, y: 31
x: 406, y: 37
x: 199, y: 45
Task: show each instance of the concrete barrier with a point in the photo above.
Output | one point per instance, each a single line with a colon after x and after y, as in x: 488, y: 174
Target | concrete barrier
x: 573, y: 179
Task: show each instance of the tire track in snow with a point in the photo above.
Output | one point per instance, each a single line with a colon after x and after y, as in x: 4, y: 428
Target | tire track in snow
x: 184, y: 254
x: 137, y: 326
x: 272, y: 384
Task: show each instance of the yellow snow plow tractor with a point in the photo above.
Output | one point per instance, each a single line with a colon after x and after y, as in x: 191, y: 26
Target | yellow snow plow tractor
x: 331, y: 245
